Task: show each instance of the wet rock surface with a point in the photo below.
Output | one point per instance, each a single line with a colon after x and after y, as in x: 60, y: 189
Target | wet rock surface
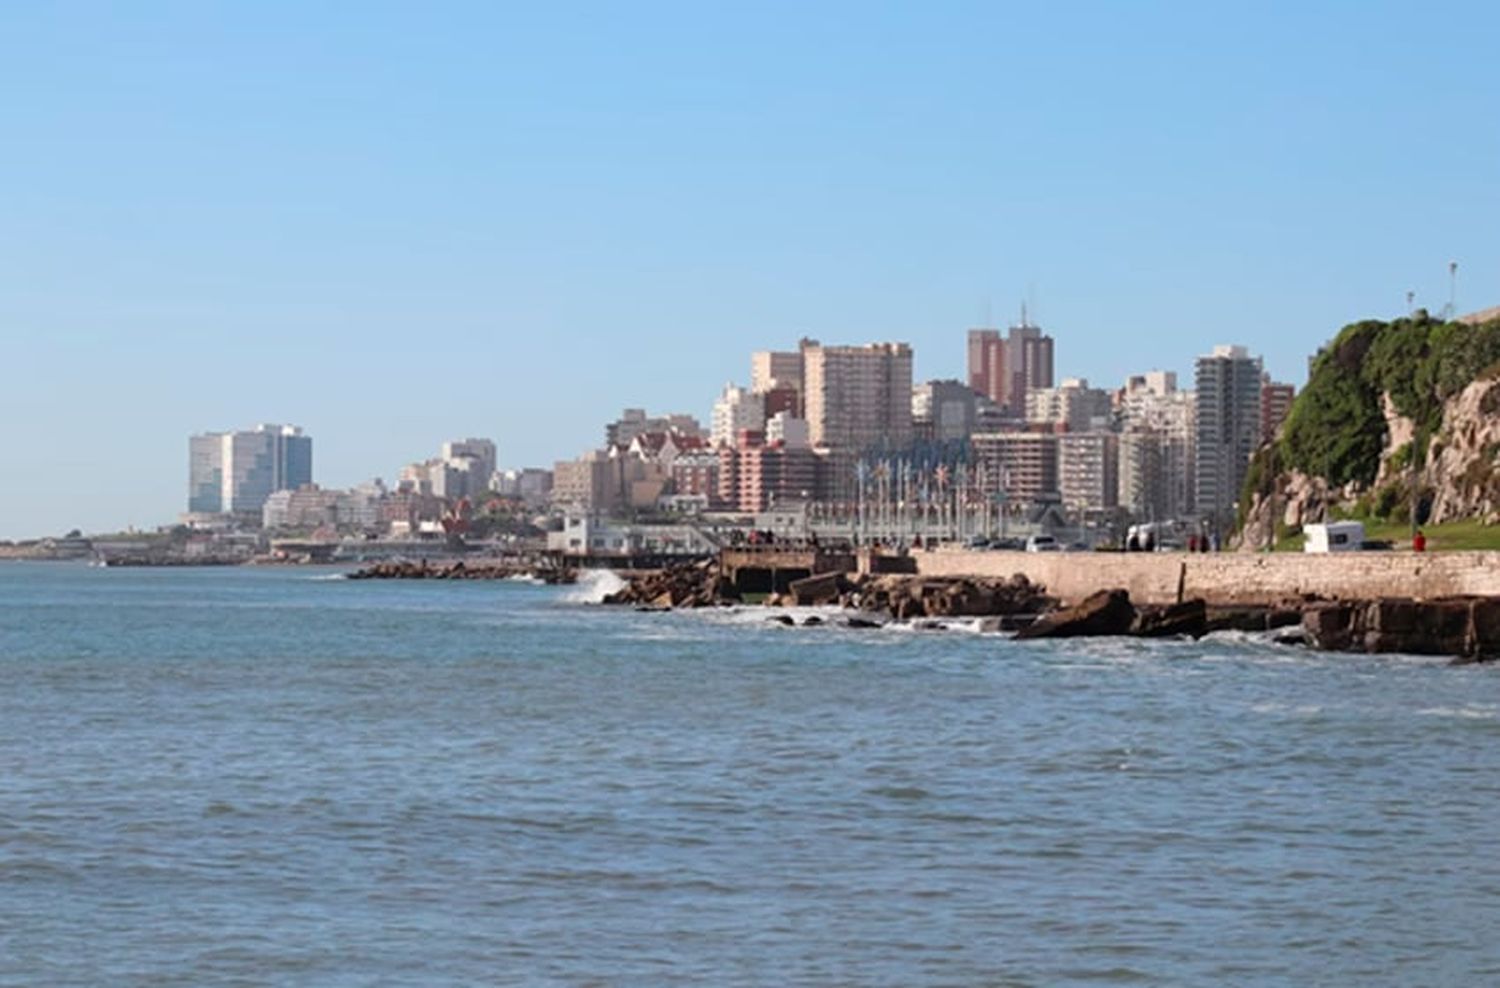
x: 907, y: 598
x: 1108, y: 612
x: 686, y: 585
x: 1188, y: 618
x: 1466, y: 628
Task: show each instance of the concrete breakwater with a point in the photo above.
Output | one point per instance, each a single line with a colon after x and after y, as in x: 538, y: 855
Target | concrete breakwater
x: 472, y: 569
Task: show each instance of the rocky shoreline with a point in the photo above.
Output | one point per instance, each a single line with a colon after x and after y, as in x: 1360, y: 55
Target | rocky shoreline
x: 1466, y: 629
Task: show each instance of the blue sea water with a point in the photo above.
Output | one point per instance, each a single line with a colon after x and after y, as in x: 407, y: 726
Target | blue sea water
x: 270, y: 776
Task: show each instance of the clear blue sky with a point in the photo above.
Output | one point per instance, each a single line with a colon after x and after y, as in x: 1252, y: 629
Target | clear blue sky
x: 399, y: 223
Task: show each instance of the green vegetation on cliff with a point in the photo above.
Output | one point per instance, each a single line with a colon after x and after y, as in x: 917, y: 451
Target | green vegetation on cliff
x: 1336, y: 427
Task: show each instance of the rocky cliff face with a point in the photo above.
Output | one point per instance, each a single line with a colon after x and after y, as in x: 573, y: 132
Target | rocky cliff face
x: 1463, y: 465
x: 1460, y: 478
x: 1299, y: 500
x: 1400, y: 432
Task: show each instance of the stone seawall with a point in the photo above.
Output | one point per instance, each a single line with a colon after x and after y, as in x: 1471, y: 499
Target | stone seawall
x: 1230, y: 577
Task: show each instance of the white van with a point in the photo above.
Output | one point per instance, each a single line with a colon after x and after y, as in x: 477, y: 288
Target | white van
x: 1042, y: 543
x: 1334, y: 536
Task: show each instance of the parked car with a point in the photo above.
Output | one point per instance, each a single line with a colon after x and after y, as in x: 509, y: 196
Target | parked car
x: 1042, y: 543
x: 1010, y: 545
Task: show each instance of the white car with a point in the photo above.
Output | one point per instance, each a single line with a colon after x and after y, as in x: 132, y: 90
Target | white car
x: 1042, y: 543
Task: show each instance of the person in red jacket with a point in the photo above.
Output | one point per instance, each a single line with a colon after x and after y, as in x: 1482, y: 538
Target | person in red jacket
x: 1419, y: 542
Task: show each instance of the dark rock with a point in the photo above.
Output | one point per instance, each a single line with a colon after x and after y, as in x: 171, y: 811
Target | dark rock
x: 813, y: 591
x: 1391, y: 617
x: 1188, y: 618
x: 812, y: 622
x: 909, y: 598
x: 685, y: 585
x: 859, y: 622
x: 1485, y: 625
x: 1283, y: 617
x: 782, y: 619
x: 1247, y: 618
x: 1465, y: 627
x: 1107, y: 612
x: 1329, y: 626
x: 908, y: 608
x: 1443, y: 620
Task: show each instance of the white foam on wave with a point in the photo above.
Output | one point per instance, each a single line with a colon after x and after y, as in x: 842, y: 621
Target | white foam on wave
x: 1288, y: 709
x: 320, y: 577
x: 1469, y: 711
x: 757, y: 614
x: 834, y: 617
x: 1244, y: 637
x: 593, y: 586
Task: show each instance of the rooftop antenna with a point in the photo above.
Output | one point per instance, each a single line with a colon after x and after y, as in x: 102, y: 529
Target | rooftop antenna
x: 1411, y: 298
x: 1452, y: 290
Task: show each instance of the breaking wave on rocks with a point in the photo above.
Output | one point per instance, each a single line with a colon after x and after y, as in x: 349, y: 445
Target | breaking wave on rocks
x: 593, y: 586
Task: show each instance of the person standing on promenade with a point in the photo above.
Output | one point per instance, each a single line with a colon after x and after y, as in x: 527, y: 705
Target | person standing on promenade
x: 1418, y: 542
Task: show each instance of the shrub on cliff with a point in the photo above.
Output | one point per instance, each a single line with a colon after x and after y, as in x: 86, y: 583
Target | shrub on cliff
x: 1336, y: 426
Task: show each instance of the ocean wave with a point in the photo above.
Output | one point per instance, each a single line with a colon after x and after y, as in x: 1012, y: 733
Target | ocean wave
x: 593, y: 586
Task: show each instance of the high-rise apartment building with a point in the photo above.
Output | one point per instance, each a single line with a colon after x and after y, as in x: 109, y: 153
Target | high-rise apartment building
x: 634, y: 421
x: 1028, y: 358
x: 786, y: 429
x: 463, y: 468
x: 237, y: 471
x: 1072, y: 404
x: 988, y: 366
x: 1228, y: 404
x: 1157, y: 447
x: 734, y: 412
x: 1020, y: 465
x: 858, y: 397
x: 206, y: 473
x: 755, y: 474
x: 531, y: 484
x: 1142, y: 477
x: 480, y: 453
x: 1088, y: 470
x: 608, y: 480
x: 1275, y: 402
x: 771, y: 369
x: 943, y: 411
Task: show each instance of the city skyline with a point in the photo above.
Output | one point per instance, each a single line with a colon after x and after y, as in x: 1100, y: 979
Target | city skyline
x: 417, y: 226
x: 812, y: 425
x: 637, y: 421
